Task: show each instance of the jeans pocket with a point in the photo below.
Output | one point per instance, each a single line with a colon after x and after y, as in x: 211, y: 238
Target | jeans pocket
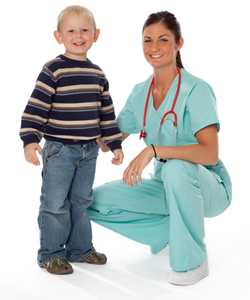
x: 92, y: 151
x: 53, y: 149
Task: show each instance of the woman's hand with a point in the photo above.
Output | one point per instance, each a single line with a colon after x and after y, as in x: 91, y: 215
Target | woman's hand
x: 132, y: 174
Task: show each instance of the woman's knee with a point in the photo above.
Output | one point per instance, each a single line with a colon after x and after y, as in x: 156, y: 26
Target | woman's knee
x: 177, y: 170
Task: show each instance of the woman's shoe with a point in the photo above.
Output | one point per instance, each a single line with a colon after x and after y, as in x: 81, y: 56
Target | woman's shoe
x: 189, y: 277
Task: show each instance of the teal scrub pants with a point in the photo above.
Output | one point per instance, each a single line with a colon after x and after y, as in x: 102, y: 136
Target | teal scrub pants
x: 167, y: 209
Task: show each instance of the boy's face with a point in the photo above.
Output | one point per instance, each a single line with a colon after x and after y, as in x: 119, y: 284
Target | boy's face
x: 77, y: 34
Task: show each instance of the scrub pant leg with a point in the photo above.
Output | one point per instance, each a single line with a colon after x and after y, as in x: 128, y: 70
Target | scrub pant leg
x: 170, y: 210
x: 137, y: 212
x: 192, y: 192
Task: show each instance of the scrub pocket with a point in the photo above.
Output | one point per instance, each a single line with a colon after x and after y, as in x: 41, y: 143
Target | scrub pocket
x: 167, y: 135
x: 222, y: 176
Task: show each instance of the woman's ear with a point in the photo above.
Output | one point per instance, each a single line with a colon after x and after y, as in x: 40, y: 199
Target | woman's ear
x: 181, y: 42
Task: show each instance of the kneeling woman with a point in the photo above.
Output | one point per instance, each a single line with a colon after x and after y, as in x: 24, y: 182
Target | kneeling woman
x: 175, y: 114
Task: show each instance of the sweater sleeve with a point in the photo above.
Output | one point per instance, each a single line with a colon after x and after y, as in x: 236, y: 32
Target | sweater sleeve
x: 110, y: 131
x: 36, y: 112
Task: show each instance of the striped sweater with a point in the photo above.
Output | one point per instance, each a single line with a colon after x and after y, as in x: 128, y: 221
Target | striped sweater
x: 71, y: 104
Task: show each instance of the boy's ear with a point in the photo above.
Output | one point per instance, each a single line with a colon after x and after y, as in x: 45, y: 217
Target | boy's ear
x: 97, y: 33
x: 58, y: 36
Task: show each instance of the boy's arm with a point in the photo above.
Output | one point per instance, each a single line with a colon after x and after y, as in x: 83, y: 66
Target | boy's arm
x: 36, y: 112
x: 104, y: 147
x: 111, y: 134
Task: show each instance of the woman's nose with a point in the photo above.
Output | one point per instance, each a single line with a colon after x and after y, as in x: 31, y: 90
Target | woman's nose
x: 155, y: 46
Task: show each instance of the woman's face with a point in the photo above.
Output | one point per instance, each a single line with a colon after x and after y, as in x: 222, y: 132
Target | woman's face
x: 159, y: 46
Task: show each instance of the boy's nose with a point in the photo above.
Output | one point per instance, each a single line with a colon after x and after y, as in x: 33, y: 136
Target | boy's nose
x: 78, y: 33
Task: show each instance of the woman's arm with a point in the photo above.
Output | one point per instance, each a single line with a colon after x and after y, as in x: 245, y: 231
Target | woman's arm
x: 205, y: 152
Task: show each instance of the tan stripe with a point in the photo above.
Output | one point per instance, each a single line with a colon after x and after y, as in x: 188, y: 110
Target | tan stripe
x: 34, y: 117
x: 72, y: 137
x: 106, y: 93
x: 45, y: 86
x: 84, y: 122
x: 77, y: 105
x: 29, y: 130
x: 40, y: 103
x: 112, y: 137
x: 82, y: 87
x: 108, y: 122
x: 77, y: 70
x: 107, y: 108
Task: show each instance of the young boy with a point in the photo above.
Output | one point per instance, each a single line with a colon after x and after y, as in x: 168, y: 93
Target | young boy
x: 71, y: 107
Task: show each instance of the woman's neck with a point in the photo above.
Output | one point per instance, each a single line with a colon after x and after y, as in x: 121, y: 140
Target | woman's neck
x: 164, y: 77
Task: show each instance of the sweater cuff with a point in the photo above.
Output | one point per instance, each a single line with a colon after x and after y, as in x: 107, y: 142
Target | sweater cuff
x: 115, y: 145
x: 30, y: 139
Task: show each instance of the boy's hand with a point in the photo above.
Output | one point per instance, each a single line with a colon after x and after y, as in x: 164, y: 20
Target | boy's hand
x: 30, y: 153
x: 118, y: 157
x: 102, y: 145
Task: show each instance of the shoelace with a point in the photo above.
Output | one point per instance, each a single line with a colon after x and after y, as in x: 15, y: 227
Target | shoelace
x: 59, y: 261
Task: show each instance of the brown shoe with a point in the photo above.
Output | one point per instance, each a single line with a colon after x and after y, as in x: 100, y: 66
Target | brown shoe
x: 58, y: 266
x: 95, y: 258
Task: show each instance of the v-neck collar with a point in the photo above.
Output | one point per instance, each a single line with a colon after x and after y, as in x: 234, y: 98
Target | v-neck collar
x: 167, y: 101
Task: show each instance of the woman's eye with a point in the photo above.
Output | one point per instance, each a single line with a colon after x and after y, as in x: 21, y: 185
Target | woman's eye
x: 147, y: 41
x: 163, y: 40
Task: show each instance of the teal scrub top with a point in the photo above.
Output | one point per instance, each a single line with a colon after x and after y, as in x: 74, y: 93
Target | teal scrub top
x: 195, y: 109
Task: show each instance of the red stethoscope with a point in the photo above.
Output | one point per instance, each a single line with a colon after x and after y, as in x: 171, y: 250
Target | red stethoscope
x: 143, y: 133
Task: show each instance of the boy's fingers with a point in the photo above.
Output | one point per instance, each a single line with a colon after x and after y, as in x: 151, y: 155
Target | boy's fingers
x: 34, y: 160
x: 39, y: 149
x: 117, y: 159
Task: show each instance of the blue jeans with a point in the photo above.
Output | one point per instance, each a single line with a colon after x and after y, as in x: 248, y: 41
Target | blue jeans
x: 68, y: 175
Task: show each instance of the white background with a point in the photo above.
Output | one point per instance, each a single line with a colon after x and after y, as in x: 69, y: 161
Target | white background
x: 216, y: 48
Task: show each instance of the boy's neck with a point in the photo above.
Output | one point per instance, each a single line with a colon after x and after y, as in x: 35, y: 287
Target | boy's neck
x: 81, y: 57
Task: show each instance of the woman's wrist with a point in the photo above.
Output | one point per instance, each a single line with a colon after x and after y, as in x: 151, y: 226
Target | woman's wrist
x: 156, y: 155
x: 150, y: 152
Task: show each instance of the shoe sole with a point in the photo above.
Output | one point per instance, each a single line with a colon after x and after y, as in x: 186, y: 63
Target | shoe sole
x: 192, y: 282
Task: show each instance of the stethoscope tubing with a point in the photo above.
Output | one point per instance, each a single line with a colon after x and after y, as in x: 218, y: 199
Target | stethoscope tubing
x: 171, y: 111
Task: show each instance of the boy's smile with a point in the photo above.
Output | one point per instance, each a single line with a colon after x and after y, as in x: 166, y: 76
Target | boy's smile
x: 77, y: 33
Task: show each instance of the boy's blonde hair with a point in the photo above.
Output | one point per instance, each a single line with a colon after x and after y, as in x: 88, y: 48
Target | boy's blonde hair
x: 74, y: 9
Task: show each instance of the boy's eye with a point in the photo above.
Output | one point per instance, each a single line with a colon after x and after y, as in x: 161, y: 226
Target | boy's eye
x: 84, y: 30
x: 71, y: 30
